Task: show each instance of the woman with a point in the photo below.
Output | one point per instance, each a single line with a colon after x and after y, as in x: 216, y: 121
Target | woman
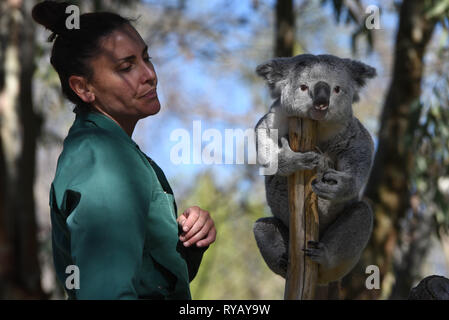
x: 112, y: 209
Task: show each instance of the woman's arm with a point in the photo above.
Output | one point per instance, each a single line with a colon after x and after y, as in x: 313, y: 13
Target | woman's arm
x: 106, y: 223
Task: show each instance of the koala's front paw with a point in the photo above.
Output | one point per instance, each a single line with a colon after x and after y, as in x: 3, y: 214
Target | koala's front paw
x: 324, y: 162
x: 334, y: 185
x: 317, y: 252
x: 290, y: 161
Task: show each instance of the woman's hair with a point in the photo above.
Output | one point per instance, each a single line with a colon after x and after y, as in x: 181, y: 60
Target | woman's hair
x: 73, y: 48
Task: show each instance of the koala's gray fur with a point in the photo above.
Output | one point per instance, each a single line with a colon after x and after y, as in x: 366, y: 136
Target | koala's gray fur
x: 322, y: 88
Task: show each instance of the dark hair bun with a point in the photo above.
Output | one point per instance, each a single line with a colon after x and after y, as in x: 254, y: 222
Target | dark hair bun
x: 51, y: 15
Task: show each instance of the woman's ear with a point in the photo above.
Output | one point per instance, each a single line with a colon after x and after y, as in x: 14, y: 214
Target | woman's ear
x: 80, y: 87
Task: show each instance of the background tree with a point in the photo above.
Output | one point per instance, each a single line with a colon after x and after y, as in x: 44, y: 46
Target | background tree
x: 389, y: 186
x: 19, y: 127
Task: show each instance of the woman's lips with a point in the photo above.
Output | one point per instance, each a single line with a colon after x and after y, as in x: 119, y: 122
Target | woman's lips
x: 150, y: 94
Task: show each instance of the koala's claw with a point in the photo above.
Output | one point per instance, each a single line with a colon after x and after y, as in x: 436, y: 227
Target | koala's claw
x: 315, y: 244
x: 322, y: 190
x: 309, y: 161
x: 316, y: 251
x: 319, y: 150
x: 329, y: 180
x: 334, y: 184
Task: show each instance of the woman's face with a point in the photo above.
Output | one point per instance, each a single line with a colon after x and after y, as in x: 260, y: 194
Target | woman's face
x: 124, y: 80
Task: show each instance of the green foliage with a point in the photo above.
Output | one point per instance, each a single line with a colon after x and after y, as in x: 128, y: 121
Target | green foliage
x: 431, y: 165
x: 354, y: 14
x: 232, y: 267
x: 438, y: 9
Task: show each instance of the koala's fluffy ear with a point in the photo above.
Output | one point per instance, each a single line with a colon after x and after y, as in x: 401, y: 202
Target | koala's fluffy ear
x: 359, y: 71
x: 274, y: 71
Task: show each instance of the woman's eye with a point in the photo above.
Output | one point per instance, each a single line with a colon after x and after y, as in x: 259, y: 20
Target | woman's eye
x: 337, y: 89
x: 126, y: 68
x: 147, y: 59
x: 303, y: 87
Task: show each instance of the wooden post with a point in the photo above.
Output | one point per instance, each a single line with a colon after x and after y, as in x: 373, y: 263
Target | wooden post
x: 302, y: 272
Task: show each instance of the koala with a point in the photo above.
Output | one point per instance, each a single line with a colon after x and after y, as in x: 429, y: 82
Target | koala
x: 322, y: 88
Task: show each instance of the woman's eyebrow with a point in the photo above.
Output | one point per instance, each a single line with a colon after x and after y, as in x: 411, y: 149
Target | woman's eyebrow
x: 132, y: 57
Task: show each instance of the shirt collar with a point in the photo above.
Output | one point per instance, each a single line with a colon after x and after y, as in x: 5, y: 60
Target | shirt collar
x: 104, y: 122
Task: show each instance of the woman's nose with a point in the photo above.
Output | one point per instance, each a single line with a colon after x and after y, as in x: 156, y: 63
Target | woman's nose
x: 148, y: 74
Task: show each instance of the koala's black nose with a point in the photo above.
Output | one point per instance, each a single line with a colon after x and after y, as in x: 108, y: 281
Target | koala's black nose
x: 321, y: 94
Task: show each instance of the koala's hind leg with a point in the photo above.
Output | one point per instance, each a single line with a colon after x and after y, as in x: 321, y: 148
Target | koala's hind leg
x: 272, y: 239
x: 342, y: 243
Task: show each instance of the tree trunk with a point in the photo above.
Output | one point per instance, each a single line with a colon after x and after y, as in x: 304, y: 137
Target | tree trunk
x: 414, y: 243
x: 284, y: 28
x: 19, y: 129
x: 302, y: 273
x: 388, y: 186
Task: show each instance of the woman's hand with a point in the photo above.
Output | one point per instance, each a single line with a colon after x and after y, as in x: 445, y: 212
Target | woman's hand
x: 198, y: 227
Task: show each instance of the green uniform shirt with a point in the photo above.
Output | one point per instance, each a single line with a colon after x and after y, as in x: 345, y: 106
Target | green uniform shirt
x: 114, y: 217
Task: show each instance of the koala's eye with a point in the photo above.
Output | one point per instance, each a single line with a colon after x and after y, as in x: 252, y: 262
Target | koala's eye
x: 303, y: 87
x: 337, y: 89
